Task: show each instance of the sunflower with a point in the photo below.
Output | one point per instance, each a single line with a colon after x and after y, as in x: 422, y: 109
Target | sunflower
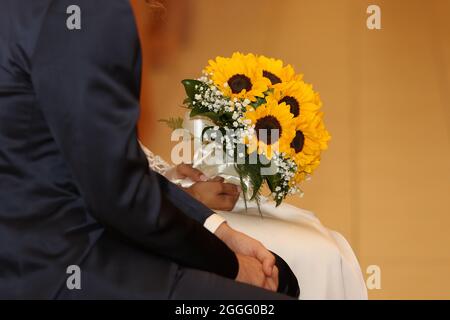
x: 239, y: 76
x: 311, y: 138
x: 266, y: 118
x: 276, y: 72
x: 299, y: 96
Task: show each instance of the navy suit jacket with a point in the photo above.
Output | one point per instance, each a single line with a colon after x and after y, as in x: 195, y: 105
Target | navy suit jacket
x: 75, y: 188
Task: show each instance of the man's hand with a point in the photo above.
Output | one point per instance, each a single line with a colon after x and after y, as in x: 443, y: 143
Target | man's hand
x: 250, y: 271
x: 242, y: 244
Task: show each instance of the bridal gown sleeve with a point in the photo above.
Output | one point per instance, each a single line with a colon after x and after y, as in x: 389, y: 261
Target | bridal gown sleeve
x: 156, y: 163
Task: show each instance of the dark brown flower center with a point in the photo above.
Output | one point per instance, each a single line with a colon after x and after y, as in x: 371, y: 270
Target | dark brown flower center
x: 293, y: 105
x: 298, y: 142
x: 265, y: 127
x: 239, y: 82
x: 273, y: 78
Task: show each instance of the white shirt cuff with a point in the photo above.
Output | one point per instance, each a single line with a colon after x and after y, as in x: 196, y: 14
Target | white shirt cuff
x: 213, y: 222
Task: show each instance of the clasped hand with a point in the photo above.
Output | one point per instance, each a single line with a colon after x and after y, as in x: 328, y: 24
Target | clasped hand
x: 256, y: 263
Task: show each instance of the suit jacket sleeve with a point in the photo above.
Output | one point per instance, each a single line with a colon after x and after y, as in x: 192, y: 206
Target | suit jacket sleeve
x: 86, y: 85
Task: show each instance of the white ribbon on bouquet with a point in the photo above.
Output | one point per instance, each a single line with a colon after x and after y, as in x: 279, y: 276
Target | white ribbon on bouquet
x: 208, y: 156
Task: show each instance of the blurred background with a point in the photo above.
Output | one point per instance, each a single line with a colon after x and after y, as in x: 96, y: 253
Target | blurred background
x: 384, y: 183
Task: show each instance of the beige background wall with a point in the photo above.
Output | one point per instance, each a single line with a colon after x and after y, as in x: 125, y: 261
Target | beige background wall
x: 385, y: 181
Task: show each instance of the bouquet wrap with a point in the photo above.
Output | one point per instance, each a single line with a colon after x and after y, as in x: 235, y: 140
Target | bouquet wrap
x: 204, y: 155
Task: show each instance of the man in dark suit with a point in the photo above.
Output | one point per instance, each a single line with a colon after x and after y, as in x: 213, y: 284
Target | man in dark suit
x: 75, y: 188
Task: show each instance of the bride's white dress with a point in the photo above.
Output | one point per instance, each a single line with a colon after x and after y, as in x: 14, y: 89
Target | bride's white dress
x: 322, y: 259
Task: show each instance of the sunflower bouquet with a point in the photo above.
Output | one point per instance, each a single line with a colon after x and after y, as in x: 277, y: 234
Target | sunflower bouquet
x: 265, y: 119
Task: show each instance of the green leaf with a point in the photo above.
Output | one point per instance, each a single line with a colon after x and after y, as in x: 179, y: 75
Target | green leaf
x: 273, y: 181
x: 259, y: 101
x: 196, y: 112
x: 278, y: 202
x: 256, y: 180
x: 189, y: 87
x: 173, y: 123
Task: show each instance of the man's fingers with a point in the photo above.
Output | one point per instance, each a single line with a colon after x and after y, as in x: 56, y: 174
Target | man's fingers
x: 268, y: 265
x: 186, y: 170
x: 275, y: 277
x: 250, y: 271
x: 266, y: 258
x: 217, y: 179
x: 270, y: 284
